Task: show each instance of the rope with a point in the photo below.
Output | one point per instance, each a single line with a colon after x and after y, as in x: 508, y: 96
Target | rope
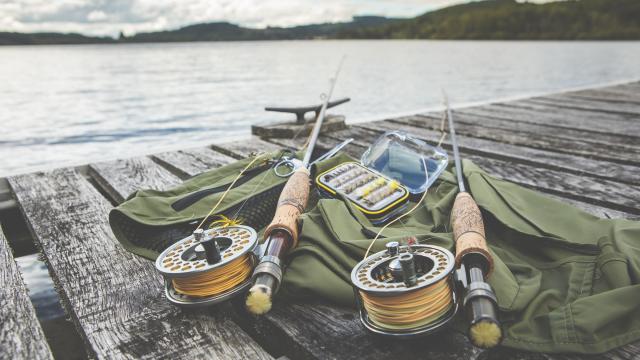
x: 216, y: 281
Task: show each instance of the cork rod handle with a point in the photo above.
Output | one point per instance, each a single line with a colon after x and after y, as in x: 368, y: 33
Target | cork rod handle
x: 468, y: 230
x: 292, y: 202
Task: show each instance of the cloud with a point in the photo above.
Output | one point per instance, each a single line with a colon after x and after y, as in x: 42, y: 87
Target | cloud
x: 97, y: 15
x: 109, y: 17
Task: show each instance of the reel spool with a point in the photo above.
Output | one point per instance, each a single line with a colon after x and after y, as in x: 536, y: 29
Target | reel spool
x: 406, y: 291
x: 209, y: 266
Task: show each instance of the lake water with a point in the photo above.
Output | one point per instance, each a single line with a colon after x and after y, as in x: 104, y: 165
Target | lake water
x: 70, y: 105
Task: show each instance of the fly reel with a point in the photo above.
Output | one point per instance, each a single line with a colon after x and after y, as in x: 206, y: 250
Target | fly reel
x: 406, y: 291
x: 210, y: 266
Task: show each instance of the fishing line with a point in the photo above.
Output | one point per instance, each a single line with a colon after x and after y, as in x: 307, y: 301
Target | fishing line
x: 418, y: 204
x: 228, y: 189
x: 216, y: 281
x: 409, y: 310
x: 424, y: 195
x: 253, y: 191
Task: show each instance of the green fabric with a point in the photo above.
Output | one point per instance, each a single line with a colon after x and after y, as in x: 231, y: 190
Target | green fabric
x: 565, y: 280
x: 146, y: 223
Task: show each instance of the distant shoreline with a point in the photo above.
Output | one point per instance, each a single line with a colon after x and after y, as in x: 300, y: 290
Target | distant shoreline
x: 116, y: 43
x: 505, y: 20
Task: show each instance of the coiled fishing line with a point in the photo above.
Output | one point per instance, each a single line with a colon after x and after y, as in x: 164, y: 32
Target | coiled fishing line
x: 390, y: 306
x: 197, y: 276
x: 216, y: 281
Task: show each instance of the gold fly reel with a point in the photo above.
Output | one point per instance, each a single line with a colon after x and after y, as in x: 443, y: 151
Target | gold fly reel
x: 406, y: 291
x: 209, y: 266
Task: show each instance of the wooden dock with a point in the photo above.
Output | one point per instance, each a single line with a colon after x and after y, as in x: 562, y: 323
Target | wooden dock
x: 581, y: 147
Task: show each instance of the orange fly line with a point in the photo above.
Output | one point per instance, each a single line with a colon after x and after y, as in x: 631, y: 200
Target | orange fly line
x: 215, y: 281
x: 409, y: 310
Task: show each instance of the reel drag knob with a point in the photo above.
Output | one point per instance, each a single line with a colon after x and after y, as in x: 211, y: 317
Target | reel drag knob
x: 392, y: 248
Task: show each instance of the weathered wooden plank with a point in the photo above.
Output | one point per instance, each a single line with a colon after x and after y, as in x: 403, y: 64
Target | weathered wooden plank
x: 469, y: 115
x: 244, y: 148
x: 320, y: 331
x: 480, y: 141
x: 517, y: 111
x: 609, y: 147
x: 629, y: 93
x: 613, y: 95
x: 21, y: 336
x: 193, y: 161
x: 629, y: 111
x: 115, y: 298
x: 130, y: 171
x: 633, y: 87
x: 585, y: 118
x: 573, y: 112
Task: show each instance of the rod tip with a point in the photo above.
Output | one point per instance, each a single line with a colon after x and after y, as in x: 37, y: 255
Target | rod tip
x: 259, y: 300
x: 485, y: 334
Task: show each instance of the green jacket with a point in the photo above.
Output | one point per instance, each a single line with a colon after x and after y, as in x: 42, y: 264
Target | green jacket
x: 565, y: 280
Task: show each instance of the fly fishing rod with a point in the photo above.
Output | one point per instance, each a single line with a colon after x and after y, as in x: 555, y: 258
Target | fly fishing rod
x: 473, y: 259
x: 282, y: 234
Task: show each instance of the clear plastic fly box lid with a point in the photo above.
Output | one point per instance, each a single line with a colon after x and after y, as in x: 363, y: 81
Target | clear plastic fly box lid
x: 402, y: 157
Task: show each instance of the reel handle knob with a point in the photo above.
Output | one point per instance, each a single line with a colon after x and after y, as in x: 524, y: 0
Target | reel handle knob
x: 211, y: 251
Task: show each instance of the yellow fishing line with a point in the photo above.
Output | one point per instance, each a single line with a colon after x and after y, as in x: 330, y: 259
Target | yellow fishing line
x: 409, y: 310
x: 216, y: 281
x: 224, y: 222
x: 418, y: 204
x: 229, y: 189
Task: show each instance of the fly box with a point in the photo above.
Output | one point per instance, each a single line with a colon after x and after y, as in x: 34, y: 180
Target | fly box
x: 377, y: 196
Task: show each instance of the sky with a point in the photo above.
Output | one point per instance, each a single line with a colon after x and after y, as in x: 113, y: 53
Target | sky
x: 109, y: 17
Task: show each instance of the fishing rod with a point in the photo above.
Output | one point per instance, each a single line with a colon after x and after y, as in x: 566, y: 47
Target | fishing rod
x: 282, y: 234
x: 473, y: 258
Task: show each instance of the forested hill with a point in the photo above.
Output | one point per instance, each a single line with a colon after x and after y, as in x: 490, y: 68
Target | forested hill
x: 511, y: 20
x: 12, y: 38
x: 223, y: 31
x: 218, y: 31
x: 478, y: 20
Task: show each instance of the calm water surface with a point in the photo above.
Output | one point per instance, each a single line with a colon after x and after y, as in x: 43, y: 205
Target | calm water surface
x: 70, y: 105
